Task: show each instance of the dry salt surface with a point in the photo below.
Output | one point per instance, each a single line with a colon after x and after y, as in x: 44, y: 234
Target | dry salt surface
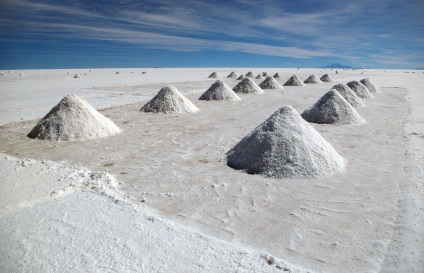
x: 159, y: 197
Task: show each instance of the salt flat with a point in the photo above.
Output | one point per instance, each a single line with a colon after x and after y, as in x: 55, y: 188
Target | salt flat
x: 368, y: 218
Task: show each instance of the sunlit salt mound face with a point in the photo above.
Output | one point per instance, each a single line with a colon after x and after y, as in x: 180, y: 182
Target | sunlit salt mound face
x: 326, y: 78
x: 73, y: 119
x: 349, y: 95
x: 214, y: 75
x: 233, y: 75
x: 250, y: 74
x: 285, y: 146
x: 219, y: 91
x: 312, y: 80
x: 372, y: 87
x: 294, y: 81
x: 360, y: 90
x: 332, y: 108
x: 247, y: 86
x: 169, y: 100
x: 277, y: 76
x: 270, y: 83
x: 241, y: 77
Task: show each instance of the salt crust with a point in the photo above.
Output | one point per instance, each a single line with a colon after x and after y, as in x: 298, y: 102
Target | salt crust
x: 73, y: 119
x: 220, y: 91
x: 349, y: 95
x: 169, y: 100
x: 285, y: 146
x: 247, y: 86
x: 270, y: 83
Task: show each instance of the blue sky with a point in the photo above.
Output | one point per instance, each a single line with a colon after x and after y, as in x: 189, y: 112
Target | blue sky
x: 191, y: 33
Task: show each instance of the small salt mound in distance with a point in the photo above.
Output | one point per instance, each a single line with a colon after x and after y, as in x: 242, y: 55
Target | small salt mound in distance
x: 312, y: 80
x: 214, y: 75
x: 264, y: 74
x: 372, y: 87
x: 169, y: 100
x: 294, y: 81
x: 360, y: 90
x: 277, y: 76
x: 259, y: 76
x: 270, y: 83
x: 250, y: 74
x: 247, y: 86
x: 77, y: 76
x: 232, y: 75
x: 349, y: 95
x: 219, y: 91
x: 241, y: 77
x: 332, y: 108
x: 72, y: 119
x: 285, y: 146
x: 326, y: 78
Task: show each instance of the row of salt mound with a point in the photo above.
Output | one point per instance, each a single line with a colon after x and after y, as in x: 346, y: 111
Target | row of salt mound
x: 360, y: 89
x: 220, y: 91
x: 234, y: 75
x: 372, y: 87
x: 349, y: 95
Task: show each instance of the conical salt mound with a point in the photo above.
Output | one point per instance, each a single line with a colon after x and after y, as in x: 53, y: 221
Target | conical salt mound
x: 312, y: 80
x: 294, y: 81
x: 232, y: 75
x: 372, y: 87
x: 360, y: 90
x: 332, y: 108
x: 169, y: 100
x: 77, y: 76
x: 277, y: 76
x: 248, y: 86
x: 241, y: 77
x: 214, y: 75
x: 270, y: 83
x: 349, y: 95
x: 259, y: 76
x: 71, y: 119
x: 219, y: 91
x: 250, y: 74
x: 285, y: 146
x: 264, y: 74
x: 326, y: 78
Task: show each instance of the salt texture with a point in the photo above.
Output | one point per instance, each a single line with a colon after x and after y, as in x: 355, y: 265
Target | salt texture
x: 247, y: 86
x: 214, y: 75
x: 169, y: 100
x: 294, y: 81
x: 232, y: 75
x: 360, y: 89
x: 71, y: 119
x: 326, y: 78
x: 312, y: 80
x: 372, y: 87
x: 349, y: 95
x: 332, y: 108
x: 220, y: 91
x: 270, y: 83
x: 285, y: 146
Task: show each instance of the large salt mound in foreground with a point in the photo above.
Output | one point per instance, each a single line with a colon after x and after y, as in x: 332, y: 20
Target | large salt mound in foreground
x: 285, y: 146
x: 294, y: 81
x: 312, y: 80
x: 169, y: 100
x: 349, y: 95
x: 247, y: 86
x: 219, y: 91
x: 270, y: 83
x: 360, y: 90
x: 372, y: 87
x: 71, y: 119
x: 332, y: 108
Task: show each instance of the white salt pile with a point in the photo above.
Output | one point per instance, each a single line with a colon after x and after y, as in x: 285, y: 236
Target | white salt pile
x: 372, y: 87
x: 285, y: 146
x: 77, y: 76
x: 250, y: 74
x: 214, y: 75
x: 169, y: 100
x: 349, y: 95
x: 241, y: 77
x: 259, y: 76
x: 220, y: 91
x: 248, y: 86
x: 264, y: 74
x: 326, y: 78
x: 270, y: 83
x: 294, y: 81
x: 312, y: 79
x: 72, y: 119
x: 232, y: 75
x: 277, y: 76
x: 360, y: 90
x: 332, y: 108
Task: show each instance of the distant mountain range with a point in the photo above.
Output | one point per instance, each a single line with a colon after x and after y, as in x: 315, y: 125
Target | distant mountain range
x: 336, y: 65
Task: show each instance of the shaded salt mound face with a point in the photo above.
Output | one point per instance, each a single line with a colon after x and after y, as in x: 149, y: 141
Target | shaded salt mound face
x: 232, y: 75
x: 294, y: 81
x: 270, y: 83
x: 360, y: 90
x: 372, y: 87
x: 259, y: 77
x: 312, y: 80
x: 73, y: 119
x: 250, y: 74
x: 349, y: 95
x: 248, y: 86
x: 332, y: 108
x: 241, y: 77
x: 169, y: 100
x: 326, y: 78
x: 277, y: 76
x: 285, y: 146
x: 219, y: 91
x: 214, y: 75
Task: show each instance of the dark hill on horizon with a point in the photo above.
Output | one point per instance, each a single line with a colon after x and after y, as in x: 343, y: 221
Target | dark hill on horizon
x: 336, y: 65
